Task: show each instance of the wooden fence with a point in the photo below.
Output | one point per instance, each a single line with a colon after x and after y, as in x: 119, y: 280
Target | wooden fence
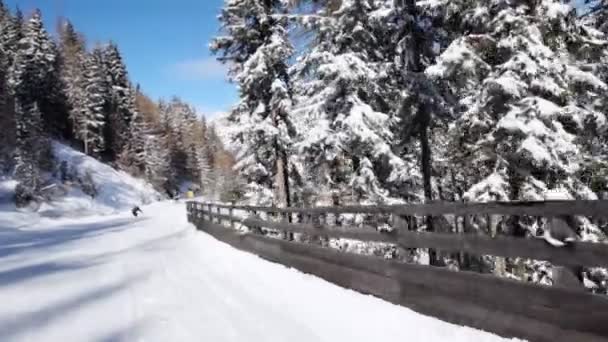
x: 507, y: 307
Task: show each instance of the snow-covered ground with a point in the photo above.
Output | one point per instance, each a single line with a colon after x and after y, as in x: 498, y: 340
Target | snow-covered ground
x: 154, y: 278
x: 115, y: 190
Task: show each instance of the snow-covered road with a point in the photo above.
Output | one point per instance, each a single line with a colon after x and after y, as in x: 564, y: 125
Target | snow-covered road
x: 154, y: 278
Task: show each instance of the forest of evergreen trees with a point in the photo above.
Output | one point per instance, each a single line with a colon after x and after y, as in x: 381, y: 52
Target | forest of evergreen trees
x: 400, y: 101
x: 54, y: 87
x: 389, y: 101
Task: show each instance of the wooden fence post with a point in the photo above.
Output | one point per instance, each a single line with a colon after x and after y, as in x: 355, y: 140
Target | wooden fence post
x: 231, y: 213
x: 219, y: 218
x: 210, y: 212
x: 500, y: 267
x: 256, y: 229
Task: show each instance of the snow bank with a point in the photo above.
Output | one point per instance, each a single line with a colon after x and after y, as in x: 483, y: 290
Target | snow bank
x: 114, y: 190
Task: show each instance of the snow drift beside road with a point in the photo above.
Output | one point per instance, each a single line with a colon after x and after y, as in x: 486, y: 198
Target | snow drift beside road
x: 115, y: 190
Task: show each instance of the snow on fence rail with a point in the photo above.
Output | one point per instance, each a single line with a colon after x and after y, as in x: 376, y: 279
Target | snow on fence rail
x: 562, y: 312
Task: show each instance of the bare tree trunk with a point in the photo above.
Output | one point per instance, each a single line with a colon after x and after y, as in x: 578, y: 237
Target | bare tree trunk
x: 282, y: 177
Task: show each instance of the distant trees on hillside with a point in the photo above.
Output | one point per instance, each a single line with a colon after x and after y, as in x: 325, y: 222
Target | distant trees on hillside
x: 55, y: 88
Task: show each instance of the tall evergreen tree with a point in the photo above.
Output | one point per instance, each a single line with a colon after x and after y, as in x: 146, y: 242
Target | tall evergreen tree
x: 157, y: 162
x: 121, y: 105
x: 11, y: 32
x: 92, y: 122
x: 257, y: 48
x: 72, y: 73
x: 341, y: 100
x: 6, y: 110
x: 27, y: 151
x: 33, y: 62
x: 28, y: 79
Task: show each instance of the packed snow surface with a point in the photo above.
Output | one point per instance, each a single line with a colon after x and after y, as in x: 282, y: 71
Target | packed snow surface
x: 155, y: 278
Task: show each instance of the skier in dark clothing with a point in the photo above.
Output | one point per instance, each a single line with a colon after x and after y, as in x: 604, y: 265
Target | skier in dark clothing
x: 136, y: 210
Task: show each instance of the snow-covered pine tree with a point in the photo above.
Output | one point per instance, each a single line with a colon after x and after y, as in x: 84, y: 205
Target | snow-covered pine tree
x: 11, y: 32
x: 200, y: 169
x: 29, y: 141
x: 53, y: 103
x: 91, y: 124
x: 157, y: 163
x: 346, y: 141
x: 595, y: 172
x: 523, y: 72
x: 412, y: 34
x: 28, y: 75
x: 34, y: 73
x: 256, y: 47
x: 179, y: 118
x: 33, y: 61
x: 528, y: 113
x: 73, y: 53
x: 176, y: 156
x: 121, y: 107
x: 6, y: 113
x: 134, y: 155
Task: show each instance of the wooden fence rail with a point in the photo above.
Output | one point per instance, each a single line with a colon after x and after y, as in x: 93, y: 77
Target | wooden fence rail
x: 503, y: 306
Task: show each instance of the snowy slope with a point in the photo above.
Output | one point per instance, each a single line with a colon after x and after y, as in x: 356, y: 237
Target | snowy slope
x: 115, y: 190
x: 154, y: 278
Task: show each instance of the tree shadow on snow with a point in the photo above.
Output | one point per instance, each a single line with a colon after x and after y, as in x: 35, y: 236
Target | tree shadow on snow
x: 125, y: 334
x: 16, y: 325
x: 19, y: 274
x: 14, y: 241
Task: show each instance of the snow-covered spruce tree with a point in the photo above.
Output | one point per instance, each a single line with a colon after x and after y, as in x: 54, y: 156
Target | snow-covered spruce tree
x: 201, y: 170
x: 72, y: 73
x: 178, y: 118
x: 54, y: 104
x: 345, y: 141
x: 530, y: 111
x: 33, y: 62
x: 595, y: 172
x: 11, y: 32
x: 27, y: 152
x: 28, y: 80
x: 256, y: 47
x: 91, y: 123
x: 134, y: 154
x: 209, y: 150
x: 121, y: 107
x: 7, y: 118
x: 528, y: 101
x: 413, y: 34
x: 39, y: 52
x: 157, y: 161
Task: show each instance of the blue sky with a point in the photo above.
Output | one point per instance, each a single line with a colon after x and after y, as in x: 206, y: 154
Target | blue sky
x: 164, y: 43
